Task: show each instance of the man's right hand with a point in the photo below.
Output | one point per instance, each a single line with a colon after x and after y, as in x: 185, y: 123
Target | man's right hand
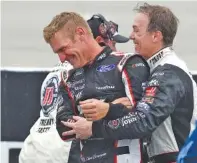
x: 94, y: 109
x: 123, y: 100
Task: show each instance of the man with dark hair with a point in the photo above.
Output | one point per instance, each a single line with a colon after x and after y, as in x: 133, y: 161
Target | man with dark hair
x: 105, y: 32
x: 168, y: 108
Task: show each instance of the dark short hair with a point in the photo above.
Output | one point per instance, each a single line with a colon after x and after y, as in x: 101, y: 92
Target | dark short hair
x: 160, y: 19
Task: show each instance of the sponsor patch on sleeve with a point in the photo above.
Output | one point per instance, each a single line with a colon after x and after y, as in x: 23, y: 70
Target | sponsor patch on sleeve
x: 124, y: 60
x: 149, y: 94
x: 49, y: 95
x: 153, y: 82
x: 138, y: 65
x: 149, y: 100
x: 114, y: 124
x: 144, y: 106
x: 150, y: 91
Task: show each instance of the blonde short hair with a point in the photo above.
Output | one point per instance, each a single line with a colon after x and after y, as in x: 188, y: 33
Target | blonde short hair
x: 71, y: 19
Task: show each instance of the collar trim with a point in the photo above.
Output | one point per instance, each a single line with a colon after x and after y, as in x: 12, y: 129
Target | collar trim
x: 157, y: 57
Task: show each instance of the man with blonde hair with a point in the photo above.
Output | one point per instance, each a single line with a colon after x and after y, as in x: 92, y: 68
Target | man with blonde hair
x: 43, y: 140
x: 99, y: 73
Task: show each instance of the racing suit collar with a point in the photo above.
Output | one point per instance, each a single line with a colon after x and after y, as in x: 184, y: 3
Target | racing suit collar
x: 155, y: 60
x: 102, y: 55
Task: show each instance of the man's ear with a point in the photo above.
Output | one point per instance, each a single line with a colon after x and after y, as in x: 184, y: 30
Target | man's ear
x: 80, y: 33
x: 157, y: 36
x: 99, y: 39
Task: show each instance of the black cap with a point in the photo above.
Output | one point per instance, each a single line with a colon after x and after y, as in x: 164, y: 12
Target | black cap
x: 106, y: 29
x: 116, y: 36
x: 94, y: 24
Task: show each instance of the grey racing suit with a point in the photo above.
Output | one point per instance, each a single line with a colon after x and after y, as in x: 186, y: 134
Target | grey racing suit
x: 166, y: 113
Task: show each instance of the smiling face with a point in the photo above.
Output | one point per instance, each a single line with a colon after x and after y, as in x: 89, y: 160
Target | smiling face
x: 142, y: 39
x: 68, y: 49
x: 70, y: 37
x: 146, y: 43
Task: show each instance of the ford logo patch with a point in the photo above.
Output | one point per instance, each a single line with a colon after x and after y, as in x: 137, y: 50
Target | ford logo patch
x: 105, y: 68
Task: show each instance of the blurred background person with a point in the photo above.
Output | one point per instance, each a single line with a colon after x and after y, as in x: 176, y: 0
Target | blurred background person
x: 105, y: 32
x: 43, y: 144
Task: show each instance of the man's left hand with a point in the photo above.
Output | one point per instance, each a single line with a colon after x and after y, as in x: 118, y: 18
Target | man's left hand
x: 94, y: 109
x: 82, y: 128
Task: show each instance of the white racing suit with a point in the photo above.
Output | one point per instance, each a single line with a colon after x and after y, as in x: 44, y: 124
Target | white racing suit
x: 43, y: 144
